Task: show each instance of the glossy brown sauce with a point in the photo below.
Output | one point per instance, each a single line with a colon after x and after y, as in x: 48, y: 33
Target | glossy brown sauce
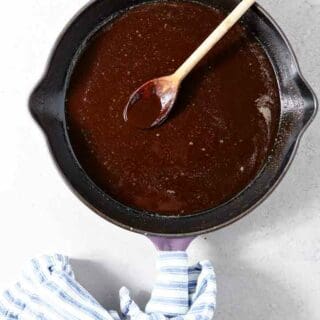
x: 219, y: 134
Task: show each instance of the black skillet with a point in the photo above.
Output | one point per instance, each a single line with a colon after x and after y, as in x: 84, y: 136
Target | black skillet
x: 47, y: 104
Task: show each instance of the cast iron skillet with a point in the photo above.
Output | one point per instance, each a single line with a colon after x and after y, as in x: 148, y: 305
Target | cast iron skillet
x: 47, y: 104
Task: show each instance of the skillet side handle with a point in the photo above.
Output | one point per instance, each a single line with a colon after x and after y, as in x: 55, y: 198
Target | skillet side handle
x: 309, y: 100
x: 37, y: 105
x: 171, y: 244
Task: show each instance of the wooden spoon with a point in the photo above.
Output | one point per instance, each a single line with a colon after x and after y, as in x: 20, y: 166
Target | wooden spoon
x: 151, y: 103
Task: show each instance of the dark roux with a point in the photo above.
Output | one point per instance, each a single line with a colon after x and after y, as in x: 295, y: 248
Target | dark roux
x: 222, y: 126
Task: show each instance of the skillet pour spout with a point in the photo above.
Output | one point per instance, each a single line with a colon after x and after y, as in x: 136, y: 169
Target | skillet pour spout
x: 48, y: 100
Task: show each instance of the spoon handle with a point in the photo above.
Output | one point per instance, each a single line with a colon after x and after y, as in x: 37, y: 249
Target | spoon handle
x: 213, y: 38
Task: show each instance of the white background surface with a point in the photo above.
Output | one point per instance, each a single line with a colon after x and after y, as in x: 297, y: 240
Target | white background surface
x: 268, y: 264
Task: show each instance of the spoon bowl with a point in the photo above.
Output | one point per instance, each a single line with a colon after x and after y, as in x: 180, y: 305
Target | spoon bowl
x: 150, y: 104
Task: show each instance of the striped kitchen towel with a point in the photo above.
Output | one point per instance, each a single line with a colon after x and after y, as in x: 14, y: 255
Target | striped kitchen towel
x: 47, y: 290
x: 180, y: 292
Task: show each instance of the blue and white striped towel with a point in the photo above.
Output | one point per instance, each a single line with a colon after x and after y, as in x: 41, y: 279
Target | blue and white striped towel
x: 47, y: 290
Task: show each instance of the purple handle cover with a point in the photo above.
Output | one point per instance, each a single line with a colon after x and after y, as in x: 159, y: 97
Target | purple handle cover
x: 171, y: 244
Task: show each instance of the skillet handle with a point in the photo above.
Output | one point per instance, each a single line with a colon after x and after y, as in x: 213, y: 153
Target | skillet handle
x: 171, y: 244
